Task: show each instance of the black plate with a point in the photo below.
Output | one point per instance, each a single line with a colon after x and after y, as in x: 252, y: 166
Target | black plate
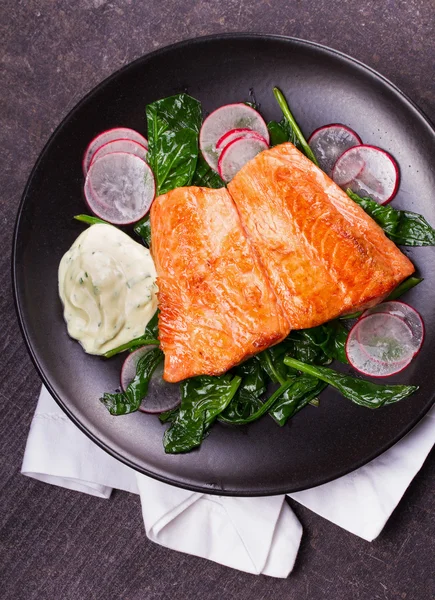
x: 322, y: 86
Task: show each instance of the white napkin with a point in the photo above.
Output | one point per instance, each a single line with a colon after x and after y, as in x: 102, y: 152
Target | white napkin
x: 256, y: 535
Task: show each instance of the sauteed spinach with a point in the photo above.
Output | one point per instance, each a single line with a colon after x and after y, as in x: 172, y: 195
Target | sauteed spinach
x: 362, y: 392
x: 284, y: 378
x: 121, y: 403
x: 203, y: 398
x: 173, y: 128
x: 403, y: 227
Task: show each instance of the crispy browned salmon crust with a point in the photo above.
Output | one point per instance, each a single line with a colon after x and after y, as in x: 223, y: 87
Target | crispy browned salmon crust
x: 217, y: 306
x: 323, y: 254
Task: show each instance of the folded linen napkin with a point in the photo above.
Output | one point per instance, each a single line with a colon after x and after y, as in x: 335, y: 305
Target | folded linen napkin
x: 256, y: 535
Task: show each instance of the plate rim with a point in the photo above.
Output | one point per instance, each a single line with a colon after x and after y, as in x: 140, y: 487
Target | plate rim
x: 18, y: 308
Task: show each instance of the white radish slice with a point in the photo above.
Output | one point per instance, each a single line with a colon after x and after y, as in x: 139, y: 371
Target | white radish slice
x: 238, y: 153
x: 120, y: 188
x: 161, y: 395
x: 116, y: 133
x: 120, y: 145
x: 402, y: 310
x: 329, y: 142
x: 381, y: 344
x: 368, y: 171
x: 234, y: 134
x: 225, y: 119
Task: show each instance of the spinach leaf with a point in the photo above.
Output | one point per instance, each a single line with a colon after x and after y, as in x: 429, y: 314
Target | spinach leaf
x: 335, y: 347
x: 281, y: 132
x: 264, y: 408
x: 169, y: 415
x: 122, y: 403
x: 401, y: 226
x: 319, y: 345
x: 132, y: 345
x: 303, y: 391
x: 204, y: 175
x: 272, y: 363
x: 143, y: 230
x: 152, y: 329
x: 178, y: 153
x: 253, y: 385
x: 364, y: 393
x: 90, y: 220
x: 294, y: 126
x: 301, y: 346
x: 173, y: 128
x: 203, y: 398
x: 242, y: 406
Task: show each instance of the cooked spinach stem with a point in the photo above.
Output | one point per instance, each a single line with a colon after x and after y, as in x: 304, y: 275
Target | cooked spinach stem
x: 362, y: 392
x: 290, y: 118
x: 89, y: 220
x: 404, y: 287
x: 136, y: 343
x: 354, y: 315
x: 302, y: 392
x: 264, y: 408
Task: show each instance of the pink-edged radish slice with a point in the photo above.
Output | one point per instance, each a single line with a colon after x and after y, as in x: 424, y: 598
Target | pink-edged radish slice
x: 329, y: 142
x: 234, y: 134
x: 117, y: 133
x: 161, y: 395
x: 368, y: 171
x: 225, y: 119
x: 406, y: 312
x: 120, y: 145
x: 381, y: 344
x: 238, y: 153
x: 120, y: 188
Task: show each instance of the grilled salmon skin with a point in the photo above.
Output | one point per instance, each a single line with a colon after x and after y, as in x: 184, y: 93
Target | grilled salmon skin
x: 323, y: 254
x: 217, y: 306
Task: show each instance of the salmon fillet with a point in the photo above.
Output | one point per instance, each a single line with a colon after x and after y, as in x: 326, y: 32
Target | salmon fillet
x: 217, y: 306
x: 323, y: 254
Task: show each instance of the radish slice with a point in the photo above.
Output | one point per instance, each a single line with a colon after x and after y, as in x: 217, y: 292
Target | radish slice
x: 120, y: 188
x: 368, y: 171
x: 223, y: 120
x: 234, y: 134
x: 129, y: 146
x: 381, y: 344
x: 161, y: 395
x: 108, y: 136
x: 405, y: 312
x: 238, y: 153
x: 329, y: 142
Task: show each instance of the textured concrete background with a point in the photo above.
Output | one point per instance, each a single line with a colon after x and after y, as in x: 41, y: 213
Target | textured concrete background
x: 56, y: 544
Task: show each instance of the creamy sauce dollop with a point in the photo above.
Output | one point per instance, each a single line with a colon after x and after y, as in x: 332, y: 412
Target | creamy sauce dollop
x: 107, y: 284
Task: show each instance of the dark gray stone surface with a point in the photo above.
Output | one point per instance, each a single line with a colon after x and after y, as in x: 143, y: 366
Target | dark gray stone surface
x: 56, y: 544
